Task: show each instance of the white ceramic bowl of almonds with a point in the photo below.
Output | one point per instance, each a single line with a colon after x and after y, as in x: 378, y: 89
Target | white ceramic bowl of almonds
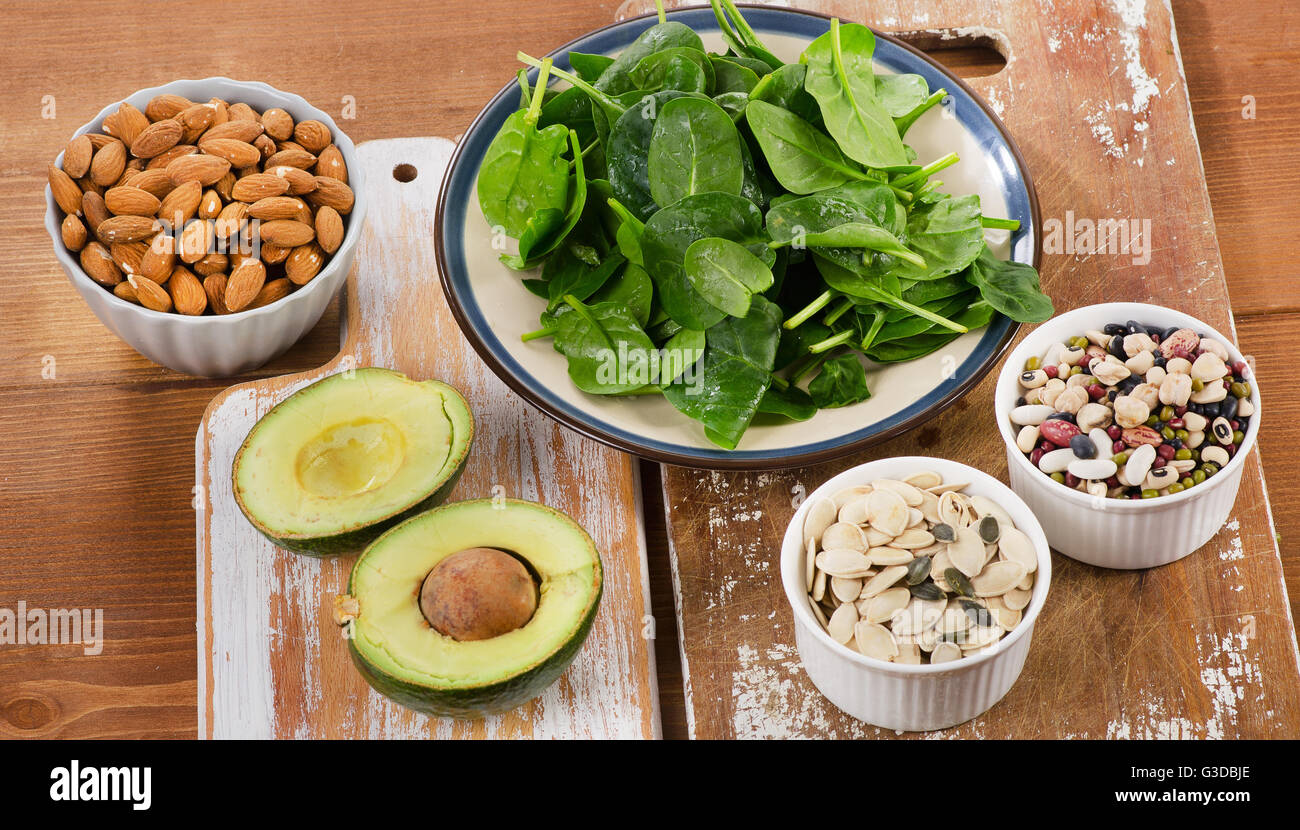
x: 1107, y: 532
x: 226, y: 344
x: 880, y: 672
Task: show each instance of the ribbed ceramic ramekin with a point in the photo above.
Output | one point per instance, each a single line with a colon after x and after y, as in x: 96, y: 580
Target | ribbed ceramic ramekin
x: 1118, y: 533
x: 219, y: 346
x: 911, y: 698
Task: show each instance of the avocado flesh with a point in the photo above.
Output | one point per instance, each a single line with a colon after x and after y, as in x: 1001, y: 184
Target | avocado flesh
x: 404, y: 657
x: 338, y: 462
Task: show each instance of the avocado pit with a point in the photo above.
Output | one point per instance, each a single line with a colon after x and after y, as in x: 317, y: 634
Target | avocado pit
x: 477, y: 594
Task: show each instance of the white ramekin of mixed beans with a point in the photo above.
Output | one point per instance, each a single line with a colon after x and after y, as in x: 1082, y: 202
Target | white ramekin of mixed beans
x: 1126, y: 428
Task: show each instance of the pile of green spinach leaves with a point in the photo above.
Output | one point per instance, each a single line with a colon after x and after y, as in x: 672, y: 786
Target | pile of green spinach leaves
x: 768, y: 221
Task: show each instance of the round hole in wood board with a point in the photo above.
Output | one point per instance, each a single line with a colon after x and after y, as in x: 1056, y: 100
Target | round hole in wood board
x: 405, y: 172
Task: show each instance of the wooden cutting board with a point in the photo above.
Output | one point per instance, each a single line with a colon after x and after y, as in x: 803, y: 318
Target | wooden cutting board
x: 272, y: 664
x: 1203, y: 648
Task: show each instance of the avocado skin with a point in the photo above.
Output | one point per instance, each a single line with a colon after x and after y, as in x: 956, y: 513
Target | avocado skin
x: 490, y: 699
x: 355, y: 541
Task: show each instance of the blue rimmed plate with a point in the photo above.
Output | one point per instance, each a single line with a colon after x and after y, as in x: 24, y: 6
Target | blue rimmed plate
x: 493, y: 309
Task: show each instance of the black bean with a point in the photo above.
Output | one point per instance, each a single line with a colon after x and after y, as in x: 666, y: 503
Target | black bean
x: 1228, y: 407
x: 1176, y: 443
x: 1112, y: 394
x: 1155, y: 333
x: 1160, y: 360
x: 1021, y: 401
x: 1116, y: 347
x: 1114, y: 328
x: 1134, y: 327
x: 1167, y: 333
x: 1061, y: 416
x: 1210, y: 410
x: 1083, y: 447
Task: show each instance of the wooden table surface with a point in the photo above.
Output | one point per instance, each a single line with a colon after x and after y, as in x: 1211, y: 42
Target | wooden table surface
x: 96, y: 443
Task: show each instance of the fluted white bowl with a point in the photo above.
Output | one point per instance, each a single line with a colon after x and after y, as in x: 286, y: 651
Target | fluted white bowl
x: 229, y: 344
x: 1118, y: 533
x: 906, y: 697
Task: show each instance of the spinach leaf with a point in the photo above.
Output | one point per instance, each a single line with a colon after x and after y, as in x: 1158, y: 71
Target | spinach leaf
x: 741, y: 39
x: 726, y: 274
x: 866, y: 235
x: 543, y: 236
x: 790, y: 402
x: 802, y: 158
x: 628, y: 153
x: 869, y: 202
x: 842, y: 381
x: 608, y: 352
x: 617, y: 77
x: 947, y: 234
x: 729, y: 75
x: 733, y: 104
x: 1010, y: 287
x: 669, y: 233
x: 784, y: 88
x: 795, y: 342
x: 694, y: 148
x: 589, y: 67
x: 840, y: 76
x: 680, y: 68
x: 523, y: 173
x: 632, y: 289
x: 581, y: 280
x: 734, y: 374
x: 900, y: 94
x: 682, y: 351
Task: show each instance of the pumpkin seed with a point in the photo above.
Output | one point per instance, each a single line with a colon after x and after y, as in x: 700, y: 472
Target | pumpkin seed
x: 1015, y: 546
x: 924, y: 479
x: 1017, y: 599
x: 959, y: 582
x: 820, y: 515
x: 874, y: 640
x: 954, y: 619
x: 875, y: 538
x: 1027, y: 583
x: 1007, y: 618
x: 927, y: 590
x: 885, y: 604
x: 987, y: 507
x: 967, y: 552
x: 950, y: 509
x: 945, y: 653
x: 940, y: 489
x: 848, y: 494
x: 914, y: 538
x: 944, y: 532
x: 887, y: 512
x: 989, y: 530
x: 909, y: 654
x: 840, y: 562
x: 844, y: 536
x: 979, y: 636
x: 818, y: 612
x: 885, y: 579
x: 810, y: 564
x: 911, y: 495
x: 919, y: 615
x: 845, y: 589
x: 819, y: 586
x: 854, y: 512
x: 841, y: 623
x: 889, y: 556
x: 997, y: 578
x: 915, y: 518
x: 930, y: 507
x: 940, y: 563
x: 979, y: 615
x: 917, y: 570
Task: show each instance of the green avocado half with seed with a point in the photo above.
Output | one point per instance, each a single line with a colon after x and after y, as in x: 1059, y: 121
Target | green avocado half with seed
x: 473, y: 608
x: 338, y: 462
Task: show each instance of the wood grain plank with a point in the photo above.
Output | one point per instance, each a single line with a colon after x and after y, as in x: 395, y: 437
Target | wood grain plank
x: 272, y: 661
x: 1201, y: 648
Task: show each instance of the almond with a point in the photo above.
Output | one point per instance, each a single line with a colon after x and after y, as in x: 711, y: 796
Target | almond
x: 73, y: 233
x: 214, y: 285
x: 300, y: 181
x: 212, y: 264
x: 231, y: 219
x: 220, y: 111
x: 265, y: 146
x: 77, y: 156
x: 329, y: 162
x: 127, y: 228
x: 286, y: 233
x: 276, y: 207
x: 304, y: 263
x: 278, y: 123
x: 195, y: 120
x: 225, y: 184
x: 151, y: 294
x: 313, y: 135
x: 66, y: 193
x: 127, y: 292
x: 245, y: 131
x: 88, y: 186
x: 244, y: 283
x: 210, y: 205
x: 258, y: 186
x: 273, y: 254
x: 98, y: 140
x: 272, y: 291
x: 160, y: 161
x: 155, y: 182
x: 196, y: 240
x: 331, y: 193
x: 187, y: 292
x: 159, y: 259
x: 128, y: 123
x: 131, y: 200
x: 203, y: 169
x: 108, y: 163
x: 127, y: 255
x: 99, y: 265
x: 180, y: 206
x: 293, y: 158
x: 329, y: 229
x: 127, y: 175
x: 290, y: 145
x: 157, y: 138
x: 238, y: 153
x: 93, y: 209
x: 243, y: 112
x: 165, y: 106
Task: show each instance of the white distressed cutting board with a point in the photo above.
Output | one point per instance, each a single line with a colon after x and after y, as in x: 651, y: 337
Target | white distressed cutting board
x: 272, y: 664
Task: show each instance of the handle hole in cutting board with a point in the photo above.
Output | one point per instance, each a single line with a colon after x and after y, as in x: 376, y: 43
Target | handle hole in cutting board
x: 965, y: 54
x: 405, y: 172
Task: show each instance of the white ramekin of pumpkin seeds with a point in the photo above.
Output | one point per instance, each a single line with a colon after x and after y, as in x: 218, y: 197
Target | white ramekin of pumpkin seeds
x: 915, y: 583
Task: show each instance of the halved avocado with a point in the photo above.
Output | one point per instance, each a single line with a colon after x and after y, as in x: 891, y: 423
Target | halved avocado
x: 391, y: 597
x: 338, y: 462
